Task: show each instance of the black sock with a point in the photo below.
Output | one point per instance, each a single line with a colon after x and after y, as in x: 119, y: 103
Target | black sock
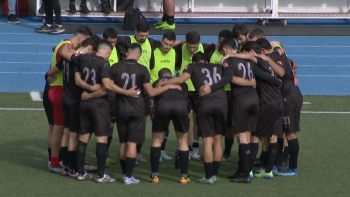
x: 60, y: 156
x: 72, y: 1
x: 195, y: 144
x: 263, y: 154
x: 81, y: 150
x: 273, y: 147
x: 83, y: 2
x: 138, y: 147
x: 228, y: 146
x: 165, y: 17
x: 164, y: 142
x: 65, y: 158
x: 244, y: 157
x: 279, y: 156
x: 49, y: 151
x: 183, y: 156
x: 254, y: 147
x: 189, y: 148
x: 109, y: 142
x: 72, y: 155
x: 293, y: 153
x: 123, y: 165
x: 155, y: 155
x: 285, y: 154
x: 216, y: 167
x: 101, y: 149
x: 208, y: 167
x: 170, y: 20
x: 130, y: 163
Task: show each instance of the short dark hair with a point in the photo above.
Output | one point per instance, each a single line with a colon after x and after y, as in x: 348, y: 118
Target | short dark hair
x: 84, y: 30
x: 263, y: 43
x: 228, y: 43
x: 142, y: 26
x: 134, y: 46
x: 199, y: 56
x: 96, y: 38
x: 225, y: 33
x: 170, y: 35
x: 257, y: 32
x: 164, y: 72
x: 110, y: 33
x: 193, y: 37
x: 239, y: 29
x: 90, y: 42
x: 251, y: 45
x: 105, y: 43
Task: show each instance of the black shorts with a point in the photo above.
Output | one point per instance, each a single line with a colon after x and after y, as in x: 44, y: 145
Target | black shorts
x: 112, y: 108
x: 291, y: 116
x: 149, y: 102
x: 131, y: 129
x: 211, y: 119
x: 71, y: 116
x: 167, y: 111
x: 269, y: 120
x: 245, y: 115
x: 192, y: 104
x: 229, y: 121
x: 95, y: 118
x: 48, y: 107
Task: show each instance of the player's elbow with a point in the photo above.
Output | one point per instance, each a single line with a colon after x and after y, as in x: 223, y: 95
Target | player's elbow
x: 281, y: 73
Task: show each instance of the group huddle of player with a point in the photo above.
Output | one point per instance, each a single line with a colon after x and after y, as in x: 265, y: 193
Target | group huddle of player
x: 247, y: 90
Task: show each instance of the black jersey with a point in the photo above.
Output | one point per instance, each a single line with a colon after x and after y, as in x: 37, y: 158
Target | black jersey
x: 127, y: 74
x: 247, y: 70
x: 72, y: 92
x: 171, y: 95
x: 93, y: 69
x: 267, y: 93
x: 290, y: 92
x: 206, y: 74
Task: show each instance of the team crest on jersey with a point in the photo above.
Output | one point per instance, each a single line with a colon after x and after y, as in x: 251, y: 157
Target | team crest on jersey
x: 185, y: 67
x: 225, y: 64
x: 279, y: 63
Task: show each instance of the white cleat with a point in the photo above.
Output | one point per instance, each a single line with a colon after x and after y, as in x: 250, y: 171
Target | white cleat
x: 130, y: 181
x: 105, y: 179
x: 140, y: 158
x: 85, y: 177
x: 164, y: 156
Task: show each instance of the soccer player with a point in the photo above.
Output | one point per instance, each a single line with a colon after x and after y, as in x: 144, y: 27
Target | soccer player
x: 170, y: 106
x: 168, y: 22
x: 245, y: 107
x: 212, y: 111
x: 49, y: 113
x: 71, y: 108
x: 185, y: 51
x: 240, y: 32
x: 131, y: 111
x: 164, y: 57
x: 256, y: 34
x: 110, y: 35
x: 92, y: 70
x: 215, y: 57
x: 56, y: 92
x: 293, y: 101
x: 269, y: 123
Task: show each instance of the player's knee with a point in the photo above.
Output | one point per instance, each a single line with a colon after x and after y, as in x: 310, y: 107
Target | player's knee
x: 291, y: 136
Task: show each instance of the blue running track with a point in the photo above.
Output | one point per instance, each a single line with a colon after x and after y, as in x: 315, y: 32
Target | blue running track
x: 324, y: 62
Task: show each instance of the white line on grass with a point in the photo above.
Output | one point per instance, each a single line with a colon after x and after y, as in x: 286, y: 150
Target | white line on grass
x: 307, y: 103
x: 36, y: 96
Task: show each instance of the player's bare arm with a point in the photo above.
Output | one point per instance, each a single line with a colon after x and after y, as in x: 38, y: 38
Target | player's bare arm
x: 152, y: 92
x: 111, y: 86
x: 97, y: 94
x: 66, y: 51
x: 176, y: 80
x: 278, y: 70
x: 52, y: 71
x: 244, y: 56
